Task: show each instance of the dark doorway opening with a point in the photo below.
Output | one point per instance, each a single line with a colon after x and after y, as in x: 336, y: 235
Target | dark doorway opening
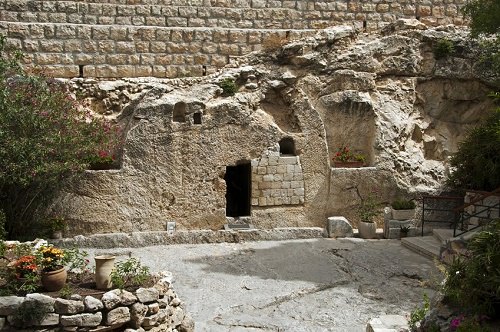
x: 238, y: 183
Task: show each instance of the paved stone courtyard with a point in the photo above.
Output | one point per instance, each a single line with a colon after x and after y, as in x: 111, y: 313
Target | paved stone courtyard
x: 294, y: 285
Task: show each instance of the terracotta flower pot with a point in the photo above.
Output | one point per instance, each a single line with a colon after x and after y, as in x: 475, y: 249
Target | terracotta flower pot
x: 54, y: 280
x: 367, y: 230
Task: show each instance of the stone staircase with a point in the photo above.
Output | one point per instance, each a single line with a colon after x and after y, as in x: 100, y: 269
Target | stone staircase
x: 429, y: 246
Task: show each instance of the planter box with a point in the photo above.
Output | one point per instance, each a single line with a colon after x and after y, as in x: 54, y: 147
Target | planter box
x: 403, y: 214
x: 348, y: 164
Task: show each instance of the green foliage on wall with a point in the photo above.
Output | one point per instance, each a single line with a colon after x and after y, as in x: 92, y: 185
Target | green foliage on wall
x: 46, y: 136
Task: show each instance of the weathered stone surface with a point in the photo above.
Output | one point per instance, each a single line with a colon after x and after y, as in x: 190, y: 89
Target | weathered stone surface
x: 339, y: 227
x: 363, y: 90
x: 117, y: 316
x: 388, y: 323
x: 9, y: 304
x: 92, y: 304
x: 137, y: 313
x: 91, y: 320
x: 153, y: 308
x: 49, y: 319
x: 43, y: 301
x: 63, y: 306
x: 146, y: 295
x: 187, y: 324
x: 178, y: 315
x: 117, y: 297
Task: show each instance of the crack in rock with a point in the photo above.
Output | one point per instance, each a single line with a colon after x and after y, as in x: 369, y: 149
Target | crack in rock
x: 281, y: 299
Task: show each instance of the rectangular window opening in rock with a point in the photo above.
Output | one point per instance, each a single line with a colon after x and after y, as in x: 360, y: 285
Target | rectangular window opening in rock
x: 197, y: 118
x: 238, y: 192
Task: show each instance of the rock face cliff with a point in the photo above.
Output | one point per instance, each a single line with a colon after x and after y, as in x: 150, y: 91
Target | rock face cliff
x: 194, y: 156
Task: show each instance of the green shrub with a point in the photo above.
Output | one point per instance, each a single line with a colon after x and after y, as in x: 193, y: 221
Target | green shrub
x: 402, y: 204
x: 476, y: 164
x: 473, y: 282
x: 129, y: 273
x: 46, y: 136
x: 228, y: 86
x: 419, y: 313
x: 443, y: 48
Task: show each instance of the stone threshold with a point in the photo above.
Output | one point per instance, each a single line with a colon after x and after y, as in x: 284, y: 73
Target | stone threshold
x: 154, y: 238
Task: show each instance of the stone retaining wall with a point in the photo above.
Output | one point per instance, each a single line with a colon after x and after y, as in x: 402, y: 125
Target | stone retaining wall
x: 153, y: 309
x: 174, y: 38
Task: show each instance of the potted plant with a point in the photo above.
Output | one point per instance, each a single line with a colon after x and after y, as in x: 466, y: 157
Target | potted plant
x: 367, y: 211
x: 51, y: 261
x: 403, y: 231
x: 345, y: 158
x: 403, y: 209
x: 56, y: 225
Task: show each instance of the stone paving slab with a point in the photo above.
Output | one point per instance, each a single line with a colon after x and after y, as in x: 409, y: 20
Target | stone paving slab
x: 292, y: 285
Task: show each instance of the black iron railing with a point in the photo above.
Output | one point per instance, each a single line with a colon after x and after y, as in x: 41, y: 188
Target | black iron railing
x: 477, y: 209
x: 452, y: 211
x: 440, y: 209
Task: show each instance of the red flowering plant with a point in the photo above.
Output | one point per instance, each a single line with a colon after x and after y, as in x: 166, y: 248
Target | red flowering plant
x: 344, y: 154
x: 24, y: 266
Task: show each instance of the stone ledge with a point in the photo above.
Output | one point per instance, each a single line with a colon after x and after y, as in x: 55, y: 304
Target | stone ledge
x: 144, y: 239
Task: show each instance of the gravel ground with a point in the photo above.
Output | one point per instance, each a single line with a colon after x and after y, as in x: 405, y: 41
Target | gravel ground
x: 294, y: 285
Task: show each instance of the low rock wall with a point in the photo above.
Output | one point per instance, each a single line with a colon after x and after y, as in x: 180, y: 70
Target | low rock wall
x: 148, y: 309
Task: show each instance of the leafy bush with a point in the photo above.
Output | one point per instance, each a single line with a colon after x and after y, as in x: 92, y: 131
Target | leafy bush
x: 46, y: 136
x: 419, y: 313
x: 129, y: 273
x: 476, y: 165
x: 443, y: 48
x: 228, y: 86
x: 402, y: 204
x: 473, y: 282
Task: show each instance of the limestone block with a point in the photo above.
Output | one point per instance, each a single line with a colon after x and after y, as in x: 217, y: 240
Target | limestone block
x: 44, y: 301
x: 187, y: 324
x: 339, y: 227
x: 73, y: 320
x: 146, y: 295
x: 118, y: 315
x: 9, y: 304
x: 137, y: 313
x: 92, y: 304
x: 153, y: 308
x: 49, y: 319
x: 150, y: 321
x: 63, y: 306
x: 110, y: 300
x: 178, y: 315
x: 387, y: 323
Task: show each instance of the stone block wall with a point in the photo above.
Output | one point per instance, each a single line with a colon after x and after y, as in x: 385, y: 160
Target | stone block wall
x: 174, y: 38
x: 157, y: 309
x: 277, y: 180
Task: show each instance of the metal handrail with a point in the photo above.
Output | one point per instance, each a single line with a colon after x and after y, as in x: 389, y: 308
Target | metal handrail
x: 466, y: 216
x: 457, y: 199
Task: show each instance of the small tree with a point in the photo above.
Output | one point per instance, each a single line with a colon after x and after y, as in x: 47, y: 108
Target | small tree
x: 476, y: 165
x: 46, y: 136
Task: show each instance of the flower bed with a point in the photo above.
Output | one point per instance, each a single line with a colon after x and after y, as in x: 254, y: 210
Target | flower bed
x: 155, y: 308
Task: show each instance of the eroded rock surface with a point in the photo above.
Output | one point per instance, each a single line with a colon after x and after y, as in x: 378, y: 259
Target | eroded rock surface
x: 298, y: 285
x: 383, y: 94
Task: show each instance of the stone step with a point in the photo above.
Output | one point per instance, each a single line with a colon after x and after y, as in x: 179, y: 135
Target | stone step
x: 442, y: 234
x: 427, y: 246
